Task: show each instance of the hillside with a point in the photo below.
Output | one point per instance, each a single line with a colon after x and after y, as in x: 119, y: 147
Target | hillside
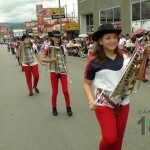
x: 12, y: 26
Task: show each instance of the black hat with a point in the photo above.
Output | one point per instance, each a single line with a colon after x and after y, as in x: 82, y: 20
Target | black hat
x: 24, y: 36
x: 103, y: 29
x: 56, y: 33
x: 127, y: 34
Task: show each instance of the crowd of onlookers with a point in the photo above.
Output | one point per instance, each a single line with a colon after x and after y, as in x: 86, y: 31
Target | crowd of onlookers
x: 83, y: 47
x: 137, y: 42
x: 73, y: 47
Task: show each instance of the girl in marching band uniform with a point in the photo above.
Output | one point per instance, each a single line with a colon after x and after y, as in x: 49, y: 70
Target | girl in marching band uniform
x: 104, y: 70
x: 55, y: 76
x: 29, y: 64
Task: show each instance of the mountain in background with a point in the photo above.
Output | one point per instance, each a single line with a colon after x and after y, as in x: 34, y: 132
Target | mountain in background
x: 12, y: 26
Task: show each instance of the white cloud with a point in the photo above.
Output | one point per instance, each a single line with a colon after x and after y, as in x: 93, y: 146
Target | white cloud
x: 25, y: 10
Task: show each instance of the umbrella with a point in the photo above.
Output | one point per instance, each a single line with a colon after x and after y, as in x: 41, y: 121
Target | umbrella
x: 76, y: 45
x: 139, y: 32
x: 77, y: 39
x: 70, y: 44
x: 65, y: 41
x: 83, y: 35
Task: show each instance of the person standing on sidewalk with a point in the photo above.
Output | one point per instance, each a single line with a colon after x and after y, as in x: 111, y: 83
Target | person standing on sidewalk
x: 29, y: 63
x: 55, y: 76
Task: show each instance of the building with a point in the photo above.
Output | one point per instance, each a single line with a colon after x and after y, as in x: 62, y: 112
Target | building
x: 128, y: 15
x: 18, y: 32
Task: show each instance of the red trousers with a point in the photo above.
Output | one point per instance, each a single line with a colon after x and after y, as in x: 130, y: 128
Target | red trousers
x: 112, y: 126
x: 29, y: 71
x: 54, y: 83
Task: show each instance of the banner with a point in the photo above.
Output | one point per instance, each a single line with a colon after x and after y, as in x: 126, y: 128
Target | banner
x: 40, y: 14
x: 40, y: 18
x: 72, y: 26
x: 40, y: 30
x: 135, y: 25
x: 30, y: 24
x: 39, y: 9
x: 50, y: 29
x: 3, y: 28
x: 56, y: 12
x: 145, y: 24
x: 48, y: 12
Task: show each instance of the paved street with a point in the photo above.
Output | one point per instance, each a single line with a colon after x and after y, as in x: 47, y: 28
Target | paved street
x: 26, y: 123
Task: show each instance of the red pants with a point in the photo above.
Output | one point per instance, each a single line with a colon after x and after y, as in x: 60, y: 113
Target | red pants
x: 54, y: 84
x: 29, y: 70
x: 112, y: 126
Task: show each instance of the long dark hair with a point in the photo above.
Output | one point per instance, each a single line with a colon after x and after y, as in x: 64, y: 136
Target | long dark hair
x: 100, y: 55
x: 60, y: 43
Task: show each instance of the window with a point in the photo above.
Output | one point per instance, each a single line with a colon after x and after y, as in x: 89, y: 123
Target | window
x: 145, y: 10
x: 141, y: 10
x: 110, y: 15
x: 103, y: 16
x: 91, y: 19
x: 136, y: 11
x: 117, y: 14
x: 89, y: 22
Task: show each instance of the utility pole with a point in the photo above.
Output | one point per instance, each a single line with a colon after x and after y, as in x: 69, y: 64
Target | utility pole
x: 60, y: 17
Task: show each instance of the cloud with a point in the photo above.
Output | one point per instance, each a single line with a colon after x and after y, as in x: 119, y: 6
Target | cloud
x: 25, y: 10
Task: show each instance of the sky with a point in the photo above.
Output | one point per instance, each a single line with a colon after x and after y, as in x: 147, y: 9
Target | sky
x: 25, y: 10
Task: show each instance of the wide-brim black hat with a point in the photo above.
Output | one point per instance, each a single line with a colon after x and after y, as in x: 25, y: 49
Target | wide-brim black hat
x: 56, y: 33
x: 104, y: 29
x: 24, y: 36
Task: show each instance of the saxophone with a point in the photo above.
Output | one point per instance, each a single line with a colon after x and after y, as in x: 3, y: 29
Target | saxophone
x: 132, y: 73
x: 126, y: 84
x: 127, y: 81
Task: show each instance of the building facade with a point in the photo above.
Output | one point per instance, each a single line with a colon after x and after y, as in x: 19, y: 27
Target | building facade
x: 128, y: 15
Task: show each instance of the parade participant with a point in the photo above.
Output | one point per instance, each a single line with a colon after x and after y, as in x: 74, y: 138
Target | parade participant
x: 29, y: 64
x: 104, y: 69
x: 55, y: 76
x: 90, y: 51
x: 45, y: 44
x: 17, y: 50
x: 122, y: 41
x: 143, y: 43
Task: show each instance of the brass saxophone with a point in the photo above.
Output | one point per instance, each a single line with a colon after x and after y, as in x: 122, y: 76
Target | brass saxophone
x: 132, y: 73
x: 126, y: 84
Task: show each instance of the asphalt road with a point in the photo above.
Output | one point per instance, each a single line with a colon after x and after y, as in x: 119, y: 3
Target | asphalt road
x: 26, y: 123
